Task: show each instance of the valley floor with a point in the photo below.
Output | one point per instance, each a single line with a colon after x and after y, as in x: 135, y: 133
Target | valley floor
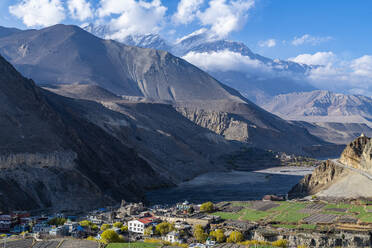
x: 233, y: 185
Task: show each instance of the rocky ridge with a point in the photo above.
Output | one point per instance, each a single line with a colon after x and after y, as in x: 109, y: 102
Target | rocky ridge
x: 331, y: 180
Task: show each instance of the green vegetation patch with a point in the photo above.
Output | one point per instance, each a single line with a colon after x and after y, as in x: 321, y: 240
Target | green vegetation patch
x: 338, y: 205
x: 228, y: 215
x: 289, y: 213
x: 133, y: 245
x: 254, y: 215
x: 308, y: 226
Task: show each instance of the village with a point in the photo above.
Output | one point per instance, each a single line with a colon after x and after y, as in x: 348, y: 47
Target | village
x: 271, y: 222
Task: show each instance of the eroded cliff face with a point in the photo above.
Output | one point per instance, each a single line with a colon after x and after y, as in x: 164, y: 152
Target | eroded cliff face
x: 358, y: 154
x: 319, y: 180
x: 228, y: 125
x: 335, y: 180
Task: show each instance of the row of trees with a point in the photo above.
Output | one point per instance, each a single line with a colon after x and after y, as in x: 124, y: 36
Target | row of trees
x: 218, y: 235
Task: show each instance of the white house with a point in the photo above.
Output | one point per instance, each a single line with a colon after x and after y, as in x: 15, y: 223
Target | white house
x: 173, y: 237
x: 136, y: 226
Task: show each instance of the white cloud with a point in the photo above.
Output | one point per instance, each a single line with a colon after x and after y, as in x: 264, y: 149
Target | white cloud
x: 309, y: 39
x: 39, y: 13
x: 225, y: 61
x: 267, y: 43
x: 319, y: 58
x: 338, y: 75
x: 135, y: 17
x: 362, y: 66
x: 225, y: 16
x: 186, y: 11
x: 80, y: 9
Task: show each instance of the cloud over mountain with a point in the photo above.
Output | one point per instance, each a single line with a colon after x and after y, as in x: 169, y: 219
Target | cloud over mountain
x: 39, y: 13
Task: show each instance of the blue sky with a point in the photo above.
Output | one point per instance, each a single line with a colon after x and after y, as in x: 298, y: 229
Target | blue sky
x: 334, y: 34
x: 346, y: 23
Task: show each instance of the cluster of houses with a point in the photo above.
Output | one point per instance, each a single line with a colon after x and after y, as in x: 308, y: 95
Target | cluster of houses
x: 138, y: 219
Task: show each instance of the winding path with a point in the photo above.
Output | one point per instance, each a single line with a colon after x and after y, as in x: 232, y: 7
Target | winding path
x: 361, y: 172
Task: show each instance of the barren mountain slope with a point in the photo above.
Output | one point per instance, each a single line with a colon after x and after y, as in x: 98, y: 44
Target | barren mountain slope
x: 52, y: 157
x: 322, y: 106
x: 68, y: 54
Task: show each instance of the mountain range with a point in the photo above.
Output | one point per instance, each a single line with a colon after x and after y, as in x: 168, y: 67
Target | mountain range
x: 276, y: 85
x: 272, y: 77
x: 69, y: 55
x: 322, y: 106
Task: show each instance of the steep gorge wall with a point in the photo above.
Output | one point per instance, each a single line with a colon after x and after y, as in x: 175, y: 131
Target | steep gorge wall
x: 319, y: 180
x: 358, y: 154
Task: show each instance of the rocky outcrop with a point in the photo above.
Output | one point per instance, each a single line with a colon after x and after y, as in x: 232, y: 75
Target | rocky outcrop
x: 58, y: 159
x: 358, y: 154
x: 315, y: 239
x: 333, y: 179
x: 320, y: 179
x: 230, y: 126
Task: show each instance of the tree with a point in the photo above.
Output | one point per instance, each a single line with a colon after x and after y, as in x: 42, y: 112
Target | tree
x: 280, y: 243
x: 118, y: 224
x: 57, y: 221
x: 148, y: 231
x: 110, y: 236
x: 207, y: 207
x: 218, y: 235
x: 85, y: 223
x: 94, y: 227
x: 164, y: 228
x: 124, y: 229
x: 104, y: 227
x: 199, y: 234
x: 235, y: 237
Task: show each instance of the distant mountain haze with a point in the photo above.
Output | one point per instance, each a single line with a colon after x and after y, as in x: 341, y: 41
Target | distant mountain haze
x: 322, y: 106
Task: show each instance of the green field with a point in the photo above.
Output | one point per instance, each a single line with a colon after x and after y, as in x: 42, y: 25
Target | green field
x: 133, y: 245
x: 291, y: 215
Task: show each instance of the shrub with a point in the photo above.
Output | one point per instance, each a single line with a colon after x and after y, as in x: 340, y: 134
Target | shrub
x: 85, y: 223
x: 104, y: 227
x: 280, y: 243
x: 207, y: 207
x: 199, y: 234
x: 164, y: 228
x: 110, y: 236
x: 57, y: 221
x: 235, y: 237
x: 118, y: 225
x: 91, y: 238
x: 218, y: 235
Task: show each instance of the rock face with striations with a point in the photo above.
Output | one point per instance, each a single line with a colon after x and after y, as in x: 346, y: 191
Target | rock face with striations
x: 334, y: 181
x: 358, y: 154
x: 319, y: 180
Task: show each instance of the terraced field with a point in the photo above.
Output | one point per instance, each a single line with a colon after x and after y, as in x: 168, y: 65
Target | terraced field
x: 29, y: 243
x: 304, y: 215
